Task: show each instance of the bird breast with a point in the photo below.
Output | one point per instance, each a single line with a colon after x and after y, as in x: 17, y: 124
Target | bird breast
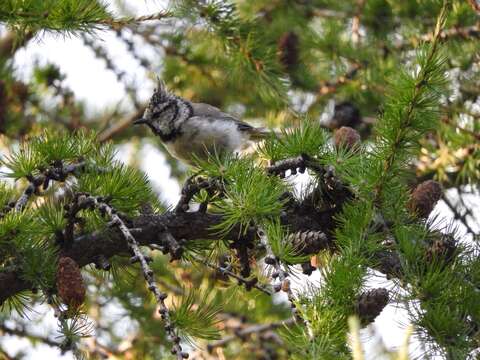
x: 202, y: 135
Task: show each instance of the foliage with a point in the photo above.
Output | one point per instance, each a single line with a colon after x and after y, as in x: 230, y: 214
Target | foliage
x: 67, y: 16
x: 194, y: 320
x: 403, y: 75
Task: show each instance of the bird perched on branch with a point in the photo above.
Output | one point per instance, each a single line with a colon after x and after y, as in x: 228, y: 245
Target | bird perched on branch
x: 193, y: 130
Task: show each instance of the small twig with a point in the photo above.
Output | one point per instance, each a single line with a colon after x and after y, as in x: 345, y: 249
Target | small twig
x: 457, y: 215
x: 448, y: 121
x: 253, y: 283
x: 71, y: 211
x: 280, y: 276
x: 329, y: 87
x: 131, y: 20
x: 101, y: 262
x: 23, y: 199
x: 469, y: 32
x: 282, y: 166
x: 57, y: 172
x: 148, y: 274
x: 191, y: 188
x: 120, y: 126
x: 327, y: 13
x: 297, y: 164
x: 25, y: 334
x: 254, y: 329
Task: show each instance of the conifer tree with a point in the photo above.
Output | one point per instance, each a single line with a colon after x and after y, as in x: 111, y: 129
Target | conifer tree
x: 376, y: 106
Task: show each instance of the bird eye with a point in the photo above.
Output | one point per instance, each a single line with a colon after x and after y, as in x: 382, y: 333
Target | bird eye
x: 157, y: 113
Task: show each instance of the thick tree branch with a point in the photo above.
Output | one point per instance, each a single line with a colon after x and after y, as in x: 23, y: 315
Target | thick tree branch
x: 147, y: 229
x: 158, y: 229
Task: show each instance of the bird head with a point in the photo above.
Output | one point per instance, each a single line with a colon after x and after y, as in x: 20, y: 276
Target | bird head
x: 163, y: 114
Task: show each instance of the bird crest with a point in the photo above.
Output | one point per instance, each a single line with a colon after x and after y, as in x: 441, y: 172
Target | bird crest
x: 160, y: 94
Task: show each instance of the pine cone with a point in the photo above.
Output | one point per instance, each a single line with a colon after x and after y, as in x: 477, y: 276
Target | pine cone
x: 442, y: 248
x: 389, y: 263
x: 70, y: 286
x: 288, y: 50
x: 424, y: 197
x: 347, y: 136
x: 345, y: 114
x: 308, y: 242
x: 370, y: 304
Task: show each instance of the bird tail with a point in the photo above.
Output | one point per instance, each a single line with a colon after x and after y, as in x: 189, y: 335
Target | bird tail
x: 261, y: 133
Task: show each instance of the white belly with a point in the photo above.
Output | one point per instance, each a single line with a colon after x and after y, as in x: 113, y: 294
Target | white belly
x: 201, y: 136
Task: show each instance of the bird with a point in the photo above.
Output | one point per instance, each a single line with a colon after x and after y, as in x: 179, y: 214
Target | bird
x: 194, y: 131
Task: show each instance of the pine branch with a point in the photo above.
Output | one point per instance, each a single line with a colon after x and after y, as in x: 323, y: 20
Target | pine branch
x: 121, y: 125
x: 293, y: 164
x: 280, y: 276
x: 244, y: 333
x: 23, y: 199
x: 160, y: 296
x: 152, y: 230
x: 465, y: 33
x: 403, y: 129
x: 57, y: 172
x: 457, y: 215
x: 330, y: 87
x: 24, y: 334
x: 468, y: 132
x: 117, y: 24
x: 249, y: 283
x: 69, y: 16
x: 192, y: 187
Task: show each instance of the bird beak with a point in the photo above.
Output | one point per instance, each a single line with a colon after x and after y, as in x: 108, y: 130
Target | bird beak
x: 140, y: 121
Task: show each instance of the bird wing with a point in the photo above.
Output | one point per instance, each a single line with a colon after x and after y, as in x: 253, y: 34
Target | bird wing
x: 206, y: 110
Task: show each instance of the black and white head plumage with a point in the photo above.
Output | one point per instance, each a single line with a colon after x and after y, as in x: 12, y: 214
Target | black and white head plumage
x: 166, y: 113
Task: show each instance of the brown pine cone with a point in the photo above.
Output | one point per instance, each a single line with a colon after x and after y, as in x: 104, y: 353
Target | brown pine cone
x: 308, y: 242
x: 70, y: 285
x: 288, y: 50
x: 346, y: 136
x: 442, y: 248
x: 370, y: 304
x: 424, y: 197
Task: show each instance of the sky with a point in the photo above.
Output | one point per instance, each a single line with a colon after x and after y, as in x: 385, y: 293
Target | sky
x: 98, y: 87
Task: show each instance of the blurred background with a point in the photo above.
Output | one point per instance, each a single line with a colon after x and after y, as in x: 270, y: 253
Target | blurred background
x: 327, y: 60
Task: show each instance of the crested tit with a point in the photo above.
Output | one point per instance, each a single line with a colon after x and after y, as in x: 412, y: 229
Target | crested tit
x: 191, y: 130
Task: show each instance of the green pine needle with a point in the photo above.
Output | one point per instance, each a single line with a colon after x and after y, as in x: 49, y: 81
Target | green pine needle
x: 286, y: 252
x: 309, y: 138
x: 126, y: 187
x: 251, y: 195
x: 18, y: 303
x: 195, y: 315
x: 65, y: 16
x: 51, y: 217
